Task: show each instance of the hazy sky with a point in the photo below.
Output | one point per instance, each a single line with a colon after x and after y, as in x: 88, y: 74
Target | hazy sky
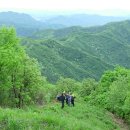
x: 67, y: 5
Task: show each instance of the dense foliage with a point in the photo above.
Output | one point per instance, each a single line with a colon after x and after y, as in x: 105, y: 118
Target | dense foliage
x: 113, y: 92
x: 20, y: 76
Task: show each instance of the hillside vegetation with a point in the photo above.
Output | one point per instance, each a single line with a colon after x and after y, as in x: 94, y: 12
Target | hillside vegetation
x: 81, y: 117
x: 78, y: 52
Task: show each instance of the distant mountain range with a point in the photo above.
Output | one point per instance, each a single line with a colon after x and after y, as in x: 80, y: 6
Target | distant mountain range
x: 84, y: 20
x: 24, y: 23
x: 78, y: 52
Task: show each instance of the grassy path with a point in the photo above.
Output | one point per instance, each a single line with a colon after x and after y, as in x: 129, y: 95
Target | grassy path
x: 120, y: 122
x: 52, y: 117
x: 81, y: 117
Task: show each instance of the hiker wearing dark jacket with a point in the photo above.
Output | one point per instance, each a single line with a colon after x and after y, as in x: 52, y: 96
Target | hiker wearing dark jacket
x: 72, y: 99
x: 62, y: 98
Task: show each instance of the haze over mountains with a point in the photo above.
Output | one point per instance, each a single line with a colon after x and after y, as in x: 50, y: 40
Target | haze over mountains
x: 84, y: 20
x: 74, y: 52
x: 26, y: 22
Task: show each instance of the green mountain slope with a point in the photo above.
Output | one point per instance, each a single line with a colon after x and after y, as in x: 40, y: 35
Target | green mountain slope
x: 78, y: 52
x: 61, y: 61
x: 110, y: 42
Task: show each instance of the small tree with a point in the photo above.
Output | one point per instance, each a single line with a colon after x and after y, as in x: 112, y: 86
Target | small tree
x: 87, y: 87
x: 67, y: 84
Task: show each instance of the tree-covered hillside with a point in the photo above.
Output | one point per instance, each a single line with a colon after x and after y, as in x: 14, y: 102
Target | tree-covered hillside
x: 78, y: 52
x: 58, y: 60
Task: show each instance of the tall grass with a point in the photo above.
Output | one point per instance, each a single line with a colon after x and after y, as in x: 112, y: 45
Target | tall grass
x: 52, y: 117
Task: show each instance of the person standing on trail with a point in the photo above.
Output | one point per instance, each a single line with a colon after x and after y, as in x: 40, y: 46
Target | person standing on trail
x: 62, y: 99
x: 72, y: 99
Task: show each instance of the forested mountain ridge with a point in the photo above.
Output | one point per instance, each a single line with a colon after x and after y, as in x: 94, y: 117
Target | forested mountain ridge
x: 78, y: 52
x: 112, y: 28
x: 62, y: 61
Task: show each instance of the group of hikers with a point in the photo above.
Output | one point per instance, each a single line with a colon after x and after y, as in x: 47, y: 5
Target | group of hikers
x: 68, y: 97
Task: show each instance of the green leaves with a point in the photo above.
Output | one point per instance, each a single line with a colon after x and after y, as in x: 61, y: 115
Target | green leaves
x: 113, y: 92
x: 20, y: 76
x: 88, y: 86
x: 67, y: 84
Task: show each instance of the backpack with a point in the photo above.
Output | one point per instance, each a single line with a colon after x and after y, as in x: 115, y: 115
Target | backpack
x: 58, y: 98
